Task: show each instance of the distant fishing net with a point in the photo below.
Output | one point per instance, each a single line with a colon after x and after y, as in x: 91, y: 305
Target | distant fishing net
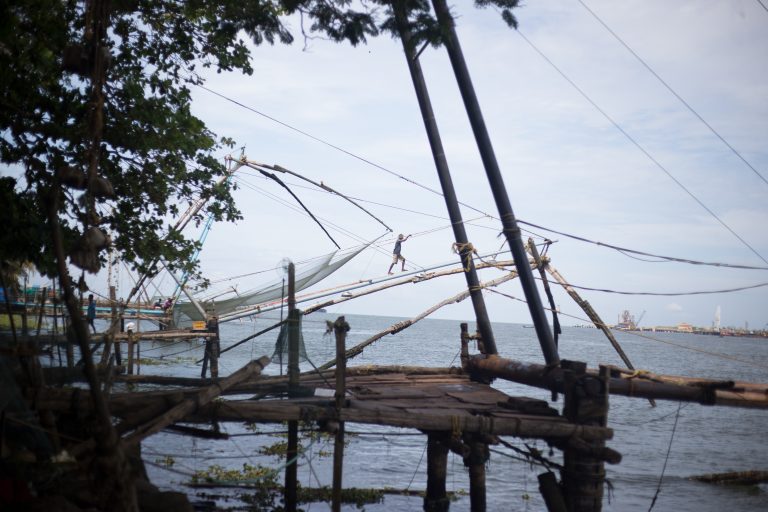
x: 280, y: 355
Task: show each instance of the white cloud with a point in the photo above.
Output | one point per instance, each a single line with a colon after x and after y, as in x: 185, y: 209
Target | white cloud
x: 674, y: 307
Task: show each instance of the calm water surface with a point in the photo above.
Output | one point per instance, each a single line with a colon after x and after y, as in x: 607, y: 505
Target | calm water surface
x: 706, y: 439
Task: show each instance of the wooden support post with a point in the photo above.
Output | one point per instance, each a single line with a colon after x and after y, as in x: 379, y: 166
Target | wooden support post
x: 340, y: 328
x: 206, y: 357
x: 478, y: 456
x: 586, y: 403
x: 122, y: 315
x: 40, y: 311
x: 436, y: 500
x: 24, y: 318
x: 109, y: 337
x: 464, y: 345
x: 293, y: 333
x: 117, y: 312
x: 291, y: 476
x: 213, y: 346
x: 292, y: 453
x: 130, y: 352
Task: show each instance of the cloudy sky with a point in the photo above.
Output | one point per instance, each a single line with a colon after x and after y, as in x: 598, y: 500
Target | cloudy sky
x: 550, y: 94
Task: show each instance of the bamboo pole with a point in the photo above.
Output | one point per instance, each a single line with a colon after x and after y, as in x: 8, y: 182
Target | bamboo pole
x: 399, y: 326
x: 419, y: 278
x: 587, y: 308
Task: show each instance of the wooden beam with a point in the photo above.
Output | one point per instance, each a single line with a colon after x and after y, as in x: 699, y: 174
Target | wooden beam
x: 189, y: 405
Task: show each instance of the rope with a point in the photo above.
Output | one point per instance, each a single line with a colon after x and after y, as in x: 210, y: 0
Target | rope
x: 468, y: 249
x: 416, y: 471
x: 634, y: 333
x: 641, y: 253
x: 666, y: 459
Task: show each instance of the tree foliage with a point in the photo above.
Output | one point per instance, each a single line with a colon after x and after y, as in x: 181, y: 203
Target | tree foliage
x: 156, y: 155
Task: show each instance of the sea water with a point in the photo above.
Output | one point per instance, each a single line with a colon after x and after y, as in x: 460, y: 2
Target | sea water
x: 662, y: 446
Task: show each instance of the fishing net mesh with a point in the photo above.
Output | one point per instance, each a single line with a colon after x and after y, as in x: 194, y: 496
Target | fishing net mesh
x: 280, y: 355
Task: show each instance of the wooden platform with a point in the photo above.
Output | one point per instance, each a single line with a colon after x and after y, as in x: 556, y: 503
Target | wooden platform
x: 428, y: 402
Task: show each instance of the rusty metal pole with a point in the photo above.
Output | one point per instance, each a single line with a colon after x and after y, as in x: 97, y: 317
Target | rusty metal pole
x: 492, y: 171
x: 443, y: 173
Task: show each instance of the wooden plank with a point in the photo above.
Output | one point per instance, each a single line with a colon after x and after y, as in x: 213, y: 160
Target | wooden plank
x: 478, y: 397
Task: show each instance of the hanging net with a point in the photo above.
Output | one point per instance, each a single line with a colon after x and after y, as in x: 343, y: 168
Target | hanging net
x: 280, y: 355
x: 305, y: 277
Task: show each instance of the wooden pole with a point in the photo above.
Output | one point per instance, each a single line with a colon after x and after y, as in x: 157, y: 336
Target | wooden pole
x: 55, y: 301
x: 109, y: 337
x: 464, y: 345
x: 293, y: 333
x: 587, y: 308
x: 40, y: 312
x: 214, y: 346
x: 478, y: 456
x: 436, y: 499
x: 206, y: 357
x: 340, y: 328
x: 117, y: 312
x: 540, y: 376
x: 292, y: 452
x: 24, y: 319
x: 130, y: 352
x: 586, y: 403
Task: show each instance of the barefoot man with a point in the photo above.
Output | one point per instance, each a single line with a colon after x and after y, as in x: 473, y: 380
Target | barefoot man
x: 396, y: 256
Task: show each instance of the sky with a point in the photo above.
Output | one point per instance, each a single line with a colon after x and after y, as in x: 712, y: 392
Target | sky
x: 566, y: 166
